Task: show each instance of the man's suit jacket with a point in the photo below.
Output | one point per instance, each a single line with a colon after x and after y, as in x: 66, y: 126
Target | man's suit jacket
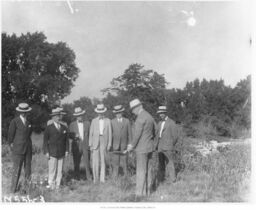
x: 56, y: 141
x: 74, y: 131
x: 170, y: 135
x: 144, y: 134
x: 95, y: 133
x: 122, y: 133
x: 19, y: 134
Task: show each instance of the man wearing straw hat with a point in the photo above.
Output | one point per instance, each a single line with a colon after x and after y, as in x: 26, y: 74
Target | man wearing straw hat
x: 19, y: 134
x: 62, y: 113
x: 144, y: 145
x: 100, y: 141
x: 167, y: 135
x: 56, y: 147
x: 79, y: 133
x: 122, y: 135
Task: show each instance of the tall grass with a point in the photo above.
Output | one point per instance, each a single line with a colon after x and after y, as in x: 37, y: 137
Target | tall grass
x: 221, y: 176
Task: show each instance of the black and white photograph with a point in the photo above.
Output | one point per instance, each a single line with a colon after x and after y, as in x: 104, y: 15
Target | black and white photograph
x: 126, y: 102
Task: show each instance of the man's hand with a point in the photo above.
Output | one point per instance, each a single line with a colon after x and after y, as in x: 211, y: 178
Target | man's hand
x: 109, y: 148
x: 129, y: 147
x: 66, y: 154
x: 47, y: 155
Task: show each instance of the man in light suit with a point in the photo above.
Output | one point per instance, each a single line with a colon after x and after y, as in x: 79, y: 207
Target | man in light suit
x: 19, y: 139
x: 122, y: 135
x: 100, y: 141
x: 56, y: 147
x: 79, y: 133
x: 144, y: 144
x: 167, y: 135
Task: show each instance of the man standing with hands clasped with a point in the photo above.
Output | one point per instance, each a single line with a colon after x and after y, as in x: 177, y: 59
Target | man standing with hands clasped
x: 143, y: 143
x: 100, y: 141
x: 79, y: 133
x: 56, y: 147
x: 122, y: 135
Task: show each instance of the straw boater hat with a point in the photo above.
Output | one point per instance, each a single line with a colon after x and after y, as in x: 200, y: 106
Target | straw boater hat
x: 78, y: 112
x: 61, y: 110
x: 134, y: 103
x: 118, y: 109
x: 56, y: 111
x: 23, y: 107
x: 161, y: 109
x: 100, y: 108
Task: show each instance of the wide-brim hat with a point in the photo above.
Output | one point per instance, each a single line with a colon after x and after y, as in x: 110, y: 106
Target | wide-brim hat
x: 161, y: 109
x: 134, y: 103
x: 118, y: 109
x: 100, y: 108
x: 56, y: 111
x: 78, y: 112
x: 23, y: 107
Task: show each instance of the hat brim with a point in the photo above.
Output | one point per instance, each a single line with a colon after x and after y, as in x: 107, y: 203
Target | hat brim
x: 118, y: 111
x: 161, y: 111
x: 54, y: 114
x: 22, y: 110
x: 100, y: 111
x: 79, y: 114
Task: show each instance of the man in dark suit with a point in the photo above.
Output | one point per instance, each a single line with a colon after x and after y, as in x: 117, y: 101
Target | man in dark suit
x: 56, y: 147
x: 21, y: 145
x: 79, y: 133
x: 144, y: 144
x: 167, y: 135
x: 122, y: 135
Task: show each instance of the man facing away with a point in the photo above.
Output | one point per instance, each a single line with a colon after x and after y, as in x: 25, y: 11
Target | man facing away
x: 56, y: 147
x: 19, y: 139
x: 167, y: 135
x: 100, y: 141
x: 122, y: 135
x: 144, y: 145
x: 79, y: 133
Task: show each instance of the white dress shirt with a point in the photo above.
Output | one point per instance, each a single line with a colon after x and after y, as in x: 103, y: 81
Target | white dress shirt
x: 162, y: 127
x: 81, y: 130
x: 101, y: 125
x: 23, y: 119
x: 57, y: 125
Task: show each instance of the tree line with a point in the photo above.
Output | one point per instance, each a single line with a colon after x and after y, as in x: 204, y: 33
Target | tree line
x: 43, y: 73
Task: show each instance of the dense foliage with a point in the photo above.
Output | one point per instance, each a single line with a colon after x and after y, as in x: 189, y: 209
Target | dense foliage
x: 43, y: 73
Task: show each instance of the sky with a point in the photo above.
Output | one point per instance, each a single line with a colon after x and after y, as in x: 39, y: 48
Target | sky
x: 182, y: 40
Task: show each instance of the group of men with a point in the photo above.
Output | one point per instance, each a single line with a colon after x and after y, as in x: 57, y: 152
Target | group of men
x: 93, y: 142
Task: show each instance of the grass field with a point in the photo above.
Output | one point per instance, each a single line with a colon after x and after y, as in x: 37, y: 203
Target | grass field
x: 222, y: 176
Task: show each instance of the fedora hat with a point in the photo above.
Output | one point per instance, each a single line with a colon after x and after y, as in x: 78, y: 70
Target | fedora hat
x: 78, y: 111
x: 100, y: 108
x: 161, y: 109
x: 23, y: 107
x: 134, y: 103
x: 56, y: 111
x: 118, y: 109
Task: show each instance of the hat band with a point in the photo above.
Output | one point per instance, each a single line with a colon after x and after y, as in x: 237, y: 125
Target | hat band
x: 101, y: 109
x: 23, y: 108
x: 117, y: 110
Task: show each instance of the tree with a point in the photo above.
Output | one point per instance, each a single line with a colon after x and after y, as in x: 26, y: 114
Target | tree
x: 35, y: 71
x: 136, y: 82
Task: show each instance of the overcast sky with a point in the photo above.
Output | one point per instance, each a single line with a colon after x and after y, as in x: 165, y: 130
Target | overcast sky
x: 183, y: 40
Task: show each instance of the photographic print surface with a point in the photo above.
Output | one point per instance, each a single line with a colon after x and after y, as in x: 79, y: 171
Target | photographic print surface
x: 135, y: 101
